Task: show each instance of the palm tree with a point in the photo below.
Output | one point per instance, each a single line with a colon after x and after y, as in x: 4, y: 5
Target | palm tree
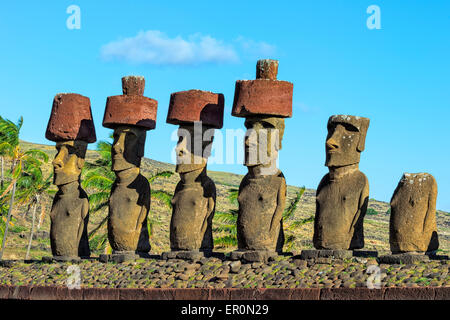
x: 291, y: 225
x: 32, y: 189
x: 9, y: 146
x: 225, y: 223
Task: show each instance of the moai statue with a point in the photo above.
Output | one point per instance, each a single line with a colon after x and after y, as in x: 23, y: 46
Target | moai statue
x: 197, y: 113
x: 413, y: 226
x: 343, y: 194
x: 72, y: 128
x: 130, y: 115
x: 264, y: 103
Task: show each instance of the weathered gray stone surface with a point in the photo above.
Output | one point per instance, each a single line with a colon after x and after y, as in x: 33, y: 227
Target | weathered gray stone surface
x: 413, y: 214
x: 343, y: 194
x: 72, y: 128
x: 129, y: 202
x: 262, y: 192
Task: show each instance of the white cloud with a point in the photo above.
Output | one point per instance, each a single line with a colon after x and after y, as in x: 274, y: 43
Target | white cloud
x: 254, y: 48
x: 155, y: 47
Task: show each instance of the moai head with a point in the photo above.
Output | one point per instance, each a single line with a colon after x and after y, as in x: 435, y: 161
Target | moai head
x: 128, y: 147
x: 345, y: 140
x: 72, y: 128
x: 68, y: 161
x: 130, y: 115
x: 262, y: 140
x: 197, y: 113
x: 264, y: 102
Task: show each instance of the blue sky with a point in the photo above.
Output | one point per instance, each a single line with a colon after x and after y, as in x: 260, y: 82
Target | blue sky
x: 398, y: 75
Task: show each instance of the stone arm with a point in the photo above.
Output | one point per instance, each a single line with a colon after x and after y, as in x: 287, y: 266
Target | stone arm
x: 362, y: 205
x: 144, y: 204
x: 278, y: 214
x: 429, y: 220
x: 211, y: 206
x: 322, y: 182
x: 84, y: 213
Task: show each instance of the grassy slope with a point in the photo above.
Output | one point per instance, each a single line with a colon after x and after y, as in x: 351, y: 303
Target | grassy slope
x: 376, y: 226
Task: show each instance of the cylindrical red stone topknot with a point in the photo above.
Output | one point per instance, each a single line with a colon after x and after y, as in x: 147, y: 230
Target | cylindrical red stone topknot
x: 264, y: 96
x: 187, y: 107
x: 131, y: 108
x: 71, y: 119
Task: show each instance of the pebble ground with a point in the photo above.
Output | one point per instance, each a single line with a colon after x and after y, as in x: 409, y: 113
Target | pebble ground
x: 283, y: 272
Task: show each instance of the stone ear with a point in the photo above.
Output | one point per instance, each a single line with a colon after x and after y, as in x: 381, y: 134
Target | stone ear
x: 141, y: 147
x: 362, y: 134
x: 80, y: 162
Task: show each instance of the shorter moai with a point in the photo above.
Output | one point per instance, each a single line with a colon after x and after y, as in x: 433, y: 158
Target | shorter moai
x: 198, y: 114
x: 264, y: 103
x: 413, y: 229
x: 130, y: 115
x: 343, y: 194
x: 72, y: 128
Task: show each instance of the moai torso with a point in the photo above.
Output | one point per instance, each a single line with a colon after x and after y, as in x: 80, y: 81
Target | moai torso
x: 413, y: 214
x: 128, y: 210
x: 69, y: 219
x: 340, y: 208
x: 192, y: 214
x: 261, y: 203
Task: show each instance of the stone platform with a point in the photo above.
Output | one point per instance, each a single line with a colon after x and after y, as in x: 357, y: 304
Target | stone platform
x: 409, y: 258
x: 253, y: 256
x: 335, y: 254
x: 191, y: 255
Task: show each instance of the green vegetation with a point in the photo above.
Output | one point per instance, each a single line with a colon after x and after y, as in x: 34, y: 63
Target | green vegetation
x: 371, y: 212
x: 24, y: 177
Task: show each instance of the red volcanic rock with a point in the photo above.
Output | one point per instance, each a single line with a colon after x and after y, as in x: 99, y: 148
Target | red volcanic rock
x: 265, y: 95
x: 131, y: 108
x: 133, y: 85
x: 71, y: 119
x: 196, y: 105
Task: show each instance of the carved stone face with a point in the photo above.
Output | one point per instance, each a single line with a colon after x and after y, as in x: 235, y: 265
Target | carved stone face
x: 345, y: 140
x: 262, y: 140
x: 192, y: 151
x: 128, y: 147
x: 68, y: 161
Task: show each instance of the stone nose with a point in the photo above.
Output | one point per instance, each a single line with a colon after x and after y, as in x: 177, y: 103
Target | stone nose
x: 332, y: 144
x: 58, y: 162
x: 118, y: 145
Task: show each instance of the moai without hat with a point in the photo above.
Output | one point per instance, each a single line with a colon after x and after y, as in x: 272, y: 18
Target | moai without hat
x: 130, y: 115
x: 413, y: 228
x: 264, y: 102
x: 343, y: 194
x: 72, y: 128
x: 198, y: 113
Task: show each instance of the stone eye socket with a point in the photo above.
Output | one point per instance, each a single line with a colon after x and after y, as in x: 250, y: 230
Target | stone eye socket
x: 349, y: 127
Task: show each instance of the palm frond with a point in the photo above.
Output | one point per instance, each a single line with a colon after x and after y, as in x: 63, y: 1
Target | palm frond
x: 226, y: 241
x: 162, y: 174
x: 164, y: 196
x: 233, y: 195
x: 289, y: 212
x: 299, y: 223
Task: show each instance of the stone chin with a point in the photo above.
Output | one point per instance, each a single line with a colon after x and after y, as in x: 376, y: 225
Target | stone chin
x: 63, y: 178
x: 185, y: 168
x: 122, y: 164
x: 341, y: 160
